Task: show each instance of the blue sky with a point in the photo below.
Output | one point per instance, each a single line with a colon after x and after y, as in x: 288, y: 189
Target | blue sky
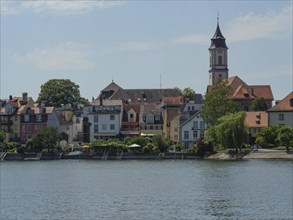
x: 136, y: 42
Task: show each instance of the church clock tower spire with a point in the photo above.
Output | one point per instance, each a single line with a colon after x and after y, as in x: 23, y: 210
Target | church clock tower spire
x: 218, y: 57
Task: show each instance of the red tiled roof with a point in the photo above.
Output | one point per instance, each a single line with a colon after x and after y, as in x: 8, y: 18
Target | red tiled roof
x: 256, y: 119
x: 243, y: 91
x: 177, y: 100
x: 283, y: 105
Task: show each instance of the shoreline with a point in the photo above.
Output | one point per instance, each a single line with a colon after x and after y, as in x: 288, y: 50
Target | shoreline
x: 259, y: 154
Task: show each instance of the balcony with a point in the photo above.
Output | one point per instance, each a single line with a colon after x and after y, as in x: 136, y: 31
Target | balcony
x: 6, y: 122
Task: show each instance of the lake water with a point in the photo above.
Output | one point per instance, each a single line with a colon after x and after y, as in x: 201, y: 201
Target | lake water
x: 166, y: 189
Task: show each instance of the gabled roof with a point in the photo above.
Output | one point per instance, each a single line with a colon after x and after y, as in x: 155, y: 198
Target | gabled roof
x: 155, y: 108
x: 37, y: 110
x: 113, y: 91
x: 256, y: 119
x: 191, y: 117
x: 134, y: 106
x: 285, y: 105
x: 112, y: 86
x: 243, y: 91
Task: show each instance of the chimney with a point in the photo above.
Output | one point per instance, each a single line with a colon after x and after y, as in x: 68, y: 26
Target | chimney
x: 24, y: 98
x: 10, y: 97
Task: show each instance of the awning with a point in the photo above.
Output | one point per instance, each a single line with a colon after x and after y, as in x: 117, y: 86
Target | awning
x: 85, y: 146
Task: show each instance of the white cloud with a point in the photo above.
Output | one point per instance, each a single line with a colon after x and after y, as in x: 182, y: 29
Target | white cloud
x: 137, y: 46
x: 8, y: 7
x: 66, y: 7
x: 67, y: 56
x: 256, y: 26
x: 191, y: 39
x: 60, y: 7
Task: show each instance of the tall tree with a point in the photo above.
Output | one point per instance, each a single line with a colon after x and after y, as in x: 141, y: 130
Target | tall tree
x: 231, y: 130
x: 46, y: 139
x: 285, y: 137
x: 187, y: 92
x: 218, y: 103
x: 56, y: 92
x: 259, y: 104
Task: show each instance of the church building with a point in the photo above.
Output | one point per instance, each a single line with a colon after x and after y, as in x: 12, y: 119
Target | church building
x: 242, y: 93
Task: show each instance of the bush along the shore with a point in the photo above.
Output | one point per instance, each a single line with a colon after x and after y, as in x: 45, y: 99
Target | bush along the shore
x: 274, y: 136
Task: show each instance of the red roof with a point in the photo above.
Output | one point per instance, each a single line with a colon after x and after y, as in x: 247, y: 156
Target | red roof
x: 256, y: 119
x: 284, y: 105
x: 243, y: 91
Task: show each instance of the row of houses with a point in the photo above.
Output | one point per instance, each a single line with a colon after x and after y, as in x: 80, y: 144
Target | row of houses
x: 119, y: 112
x: 144, y: 112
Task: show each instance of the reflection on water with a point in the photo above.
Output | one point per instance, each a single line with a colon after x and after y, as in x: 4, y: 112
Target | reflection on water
x: 182, y: 189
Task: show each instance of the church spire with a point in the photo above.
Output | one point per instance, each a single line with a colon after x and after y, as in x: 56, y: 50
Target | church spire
x: 218, y: 40
x: 218, y: 57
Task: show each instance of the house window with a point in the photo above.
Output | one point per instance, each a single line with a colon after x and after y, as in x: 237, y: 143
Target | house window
x: 281, y: 117
x: 188, y: 108
x: 28, y: 128
x: 201, y: 134
x: 131, y: 115
x: 186, y: 135
x: 26, y: 117
x: 192, y: 108
x: 24, y: 137
x: 23, y: 128
x: 15, y: 118
x: 157, y: 117
x: 112, y: 126
x: 220, y: 60
x: 202, y: 125
x: 151, y: 127
x: 194, y: 135
x: 96, y: 128
x: 39, y: 117
x: 112, y: 117
x: 149, y: 118
x: 195, y: 125
x: 104, y: 127
x: 96, y: 119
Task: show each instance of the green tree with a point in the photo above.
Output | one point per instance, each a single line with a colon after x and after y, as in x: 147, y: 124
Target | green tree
x: 162, y: 143
x: 285, y: 137
x: 218, y: 103
x: 267, y: 137
x: 46, y: 139
x: 2, y: 136
x: 56, y: 92
x: 231, y: 130
x: 187, y: 92
x: 259, y: 104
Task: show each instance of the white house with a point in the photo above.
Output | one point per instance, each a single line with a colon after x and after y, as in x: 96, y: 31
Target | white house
x: 104, y: 119
x: 191, y: 130
x: 282, y: 112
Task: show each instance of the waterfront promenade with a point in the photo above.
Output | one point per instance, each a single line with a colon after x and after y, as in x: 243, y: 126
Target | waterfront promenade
x: 259, y: 154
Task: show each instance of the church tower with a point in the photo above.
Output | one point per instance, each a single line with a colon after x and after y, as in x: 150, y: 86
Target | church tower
x: 218, y: 57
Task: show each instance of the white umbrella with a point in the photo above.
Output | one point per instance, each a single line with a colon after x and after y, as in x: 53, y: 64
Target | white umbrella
x: 134, y: 145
